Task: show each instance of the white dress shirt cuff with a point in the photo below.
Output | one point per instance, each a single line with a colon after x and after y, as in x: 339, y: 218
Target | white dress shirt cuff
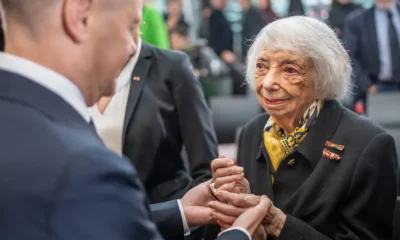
x: 186, y: 228
x: 240, y: 229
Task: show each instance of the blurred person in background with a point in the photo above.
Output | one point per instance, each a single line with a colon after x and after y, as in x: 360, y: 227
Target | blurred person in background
x: 206, y: 64
x: 372, y: 39
x: 252, y: 23
x: 153, y: 28
x: 221, y: 35
x: 338, y: 13
x: 296, y: 8
x: 174, y: 15
x: 204, y: 30
x: 328, y: 172
x: 266, y: 11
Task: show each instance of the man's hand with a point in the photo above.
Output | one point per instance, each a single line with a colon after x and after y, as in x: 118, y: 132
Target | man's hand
x: 195, y: 205
x: 251, y: 218
x: 232, y: 205
x: 373, y: 89
x: 227, y: 176
x: 228, y: 56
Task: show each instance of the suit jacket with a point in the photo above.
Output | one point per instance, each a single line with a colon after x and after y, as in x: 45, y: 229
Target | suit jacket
x: 59, y: 181
x: 167, y: 112
x: 323, y: 198
x: 360, y: 39
x: 221, y: 35
x: 253, y: 23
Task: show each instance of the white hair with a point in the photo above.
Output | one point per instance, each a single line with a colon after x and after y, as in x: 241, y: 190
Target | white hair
x: 314, y: 40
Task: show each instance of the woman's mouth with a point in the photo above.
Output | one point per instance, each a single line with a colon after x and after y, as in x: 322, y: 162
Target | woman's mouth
x: 274, y: 101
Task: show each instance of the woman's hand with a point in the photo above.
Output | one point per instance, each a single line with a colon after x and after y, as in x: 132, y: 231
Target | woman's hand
x: 232, y: 205
x: 251, y: 219
x: 227, y: 176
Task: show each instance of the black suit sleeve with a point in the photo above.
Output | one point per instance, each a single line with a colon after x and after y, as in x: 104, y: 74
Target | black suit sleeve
x: 233, y: 235
x: 367, y: 212
x: 195, y: 121
x: 168, y: 218
x: 100, y: 197
x: 220, y: 36
x: 352, y: 42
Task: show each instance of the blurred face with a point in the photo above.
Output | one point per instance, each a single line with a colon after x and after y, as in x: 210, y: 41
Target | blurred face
x: 113, y: 34
x: 344, y: 1
x: 264, y: 4
x: 243, y: 3
x: 178, y: 42
x: 175, y: 8
x: 385, y: 4
x: 284, y: 84
x: 219, y: 4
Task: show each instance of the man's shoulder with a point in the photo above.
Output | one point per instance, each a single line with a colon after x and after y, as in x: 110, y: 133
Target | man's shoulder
x: 164, y: 56
x: 358, y: 15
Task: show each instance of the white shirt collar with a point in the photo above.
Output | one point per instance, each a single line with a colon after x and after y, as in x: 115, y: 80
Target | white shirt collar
x: 125, y: 76
x: 47, y: 78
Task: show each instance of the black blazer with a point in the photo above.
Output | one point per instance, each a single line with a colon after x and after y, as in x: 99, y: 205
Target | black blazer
x: 353, y: 198
x: 360, y: 39
x: 253, y: 23
x: 221, y: 34
x: 166, y: 111
x: 58, y: 180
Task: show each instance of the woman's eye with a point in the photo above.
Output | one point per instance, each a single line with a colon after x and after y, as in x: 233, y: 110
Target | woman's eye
x: 290, y: 70
x: 260, y: 66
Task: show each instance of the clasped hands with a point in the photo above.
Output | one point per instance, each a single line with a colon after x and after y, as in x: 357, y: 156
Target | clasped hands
x: 237, y: 207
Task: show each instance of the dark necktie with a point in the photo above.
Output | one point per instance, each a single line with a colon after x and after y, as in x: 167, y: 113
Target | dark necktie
x: 394, y: 48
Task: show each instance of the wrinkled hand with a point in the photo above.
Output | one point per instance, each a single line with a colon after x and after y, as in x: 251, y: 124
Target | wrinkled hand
x: 232, y: 205
x: 195, y: 205
x: 229, y: 177
x: 251, y: 218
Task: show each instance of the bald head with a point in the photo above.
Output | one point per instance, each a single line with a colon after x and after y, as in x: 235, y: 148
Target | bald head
x: 27, y: 11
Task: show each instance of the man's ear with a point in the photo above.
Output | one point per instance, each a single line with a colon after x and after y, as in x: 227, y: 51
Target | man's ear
x: 75, y: 18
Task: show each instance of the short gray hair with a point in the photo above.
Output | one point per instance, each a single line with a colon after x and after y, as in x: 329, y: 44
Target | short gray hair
x: 314, y: 40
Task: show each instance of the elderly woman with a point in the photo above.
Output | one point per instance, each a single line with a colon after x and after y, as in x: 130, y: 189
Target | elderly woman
x: 329, y: 173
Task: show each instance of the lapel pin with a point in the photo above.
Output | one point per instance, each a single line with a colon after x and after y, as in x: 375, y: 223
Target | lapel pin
x: 136, y: 78
x: 332, y: 156
x: 291, y: 162
x: 334, y: 146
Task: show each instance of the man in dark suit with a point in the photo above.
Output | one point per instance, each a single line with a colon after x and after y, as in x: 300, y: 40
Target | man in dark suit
x: 157, y: 111
x: 221, y: 35
x: 372, y: 38
x: 58, y: 180
x: 252, y: 23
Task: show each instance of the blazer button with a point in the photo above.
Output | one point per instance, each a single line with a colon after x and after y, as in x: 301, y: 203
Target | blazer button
x: 291, y: 162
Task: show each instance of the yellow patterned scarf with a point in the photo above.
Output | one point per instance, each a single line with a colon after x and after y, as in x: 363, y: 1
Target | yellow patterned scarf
x: 278, y: 144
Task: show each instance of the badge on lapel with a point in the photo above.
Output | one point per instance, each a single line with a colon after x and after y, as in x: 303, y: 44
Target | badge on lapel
x: 136, y: 78
x: 331, y: 155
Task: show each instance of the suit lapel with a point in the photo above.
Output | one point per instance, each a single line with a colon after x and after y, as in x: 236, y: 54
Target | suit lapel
x: 138, y: 80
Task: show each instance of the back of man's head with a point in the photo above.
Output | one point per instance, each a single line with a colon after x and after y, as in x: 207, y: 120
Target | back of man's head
x: 87, y: 41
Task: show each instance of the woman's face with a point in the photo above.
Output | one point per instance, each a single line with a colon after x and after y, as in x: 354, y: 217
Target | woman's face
x: 284, y: 83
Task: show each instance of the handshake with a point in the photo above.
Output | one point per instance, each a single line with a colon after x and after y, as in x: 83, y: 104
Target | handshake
x: 226, y: 199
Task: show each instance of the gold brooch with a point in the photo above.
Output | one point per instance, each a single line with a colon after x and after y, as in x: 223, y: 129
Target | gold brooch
x: 328, y: 154
x: 334, y: 146
x: 136, y: 78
